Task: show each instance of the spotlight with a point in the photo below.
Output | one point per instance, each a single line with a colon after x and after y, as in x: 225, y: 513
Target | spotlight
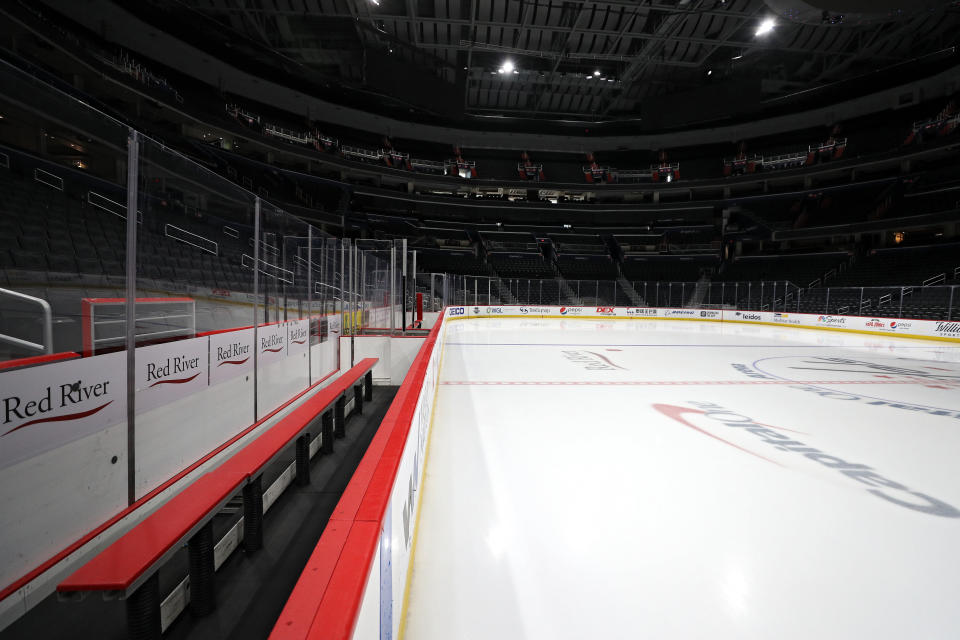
x: 507, y: 66
x: 596, y: 73
x: 709, y: 72
x: 766, y: 27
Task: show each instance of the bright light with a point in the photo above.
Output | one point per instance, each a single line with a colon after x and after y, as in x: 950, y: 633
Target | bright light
x: 500, y: 70
x: 737, y: 57
x: 507, y: 66
x: 589, y: 77
x: 709, y: 72
x: 766, y: 27
x: 596, y: 73
x: 669, y: 177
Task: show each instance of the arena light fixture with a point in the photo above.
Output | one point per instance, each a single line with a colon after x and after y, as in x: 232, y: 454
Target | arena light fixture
x: 766, y: 27
x: 597, y: 72
x: 507, y: 66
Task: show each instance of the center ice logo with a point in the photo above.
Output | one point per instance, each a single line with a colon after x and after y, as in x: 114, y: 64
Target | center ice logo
x: 715, y: 421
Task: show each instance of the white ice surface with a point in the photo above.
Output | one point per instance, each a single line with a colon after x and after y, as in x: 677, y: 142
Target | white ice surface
x: 571, y: 510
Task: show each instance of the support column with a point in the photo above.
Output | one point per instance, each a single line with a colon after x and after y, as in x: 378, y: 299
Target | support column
x: 340, y: 422
x: 253, y: 515
x: 358, y: 398
x: 326, y: 432
x: 200, y: 549
x: 143, y: 610
x: 303, y: 459
x: 368, y: 384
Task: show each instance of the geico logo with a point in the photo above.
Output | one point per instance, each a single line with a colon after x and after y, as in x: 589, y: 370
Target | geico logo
x: 457, y: 311
x: 15, y: 407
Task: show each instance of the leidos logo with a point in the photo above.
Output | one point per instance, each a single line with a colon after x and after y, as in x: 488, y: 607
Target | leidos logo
x: 749, y: 316
x: 16, y: 408
x: 716, y: 422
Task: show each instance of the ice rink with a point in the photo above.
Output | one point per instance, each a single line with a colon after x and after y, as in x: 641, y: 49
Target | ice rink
x: 677, y: 479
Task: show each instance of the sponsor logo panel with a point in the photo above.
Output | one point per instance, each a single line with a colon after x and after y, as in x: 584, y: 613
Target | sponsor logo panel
x: 642, y: 312
x: 272, y: 343
x: 457, y: 311
x: 231, y: 355
x: 298, y: 337
x: 947, y: 329
x: 47, y: 406
x: 832, y: 321
x: 170, y: 371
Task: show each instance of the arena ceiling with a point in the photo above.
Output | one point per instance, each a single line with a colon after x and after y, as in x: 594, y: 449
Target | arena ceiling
x: 582, y: 60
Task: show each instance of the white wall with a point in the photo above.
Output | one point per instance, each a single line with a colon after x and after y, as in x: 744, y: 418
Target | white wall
x: 60, y: 479
x: 396, y: 354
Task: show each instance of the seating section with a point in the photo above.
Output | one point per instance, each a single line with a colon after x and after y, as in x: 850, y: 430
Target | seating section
x: 668, y: 268
x: 908, y: 266
x: 799, y: 269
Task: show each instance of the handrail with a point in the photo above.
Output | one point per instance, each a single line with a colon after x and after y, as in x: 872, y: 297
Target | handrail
x: 47, y: 346
x: 937, y: 279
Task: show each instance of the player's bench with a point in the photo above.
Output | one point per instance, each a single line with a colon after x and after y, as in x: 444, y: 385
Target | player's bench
x: 128, y: 568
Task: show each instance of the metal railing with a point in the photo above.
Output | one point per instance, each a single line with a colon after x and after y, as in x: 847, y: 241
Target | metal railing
x: 923, y: 302
x: 46, y: 324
